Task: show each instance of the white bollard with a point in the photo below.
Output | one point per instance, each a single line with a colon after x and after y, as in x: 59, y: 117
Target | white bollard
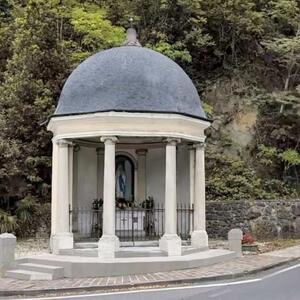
x: 235, y: 240
x: 7, y: 251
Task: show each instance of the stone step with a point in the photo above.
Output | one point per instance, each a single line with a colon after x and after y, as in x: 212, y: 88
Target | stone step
x: 190, y: 250
x: 85, y: 252
x: 89, y: 245
x: 28, y: 275
x: 86, y: 245
x: 57, y: 272
x: 140, y: 252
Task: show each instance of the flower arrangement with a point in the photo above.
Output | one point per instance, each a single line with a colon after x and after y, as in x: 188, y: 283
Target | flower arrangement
x: 247, y: 239
x: 249, y: 244
x: 122, y: 203
x: 148, y: 203
x: 97, y: 204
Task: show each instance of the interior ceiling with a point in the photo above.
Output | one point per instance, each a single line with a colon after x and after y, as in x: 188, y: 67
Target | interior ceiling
x: 128, y: 140
x: 125, y: 141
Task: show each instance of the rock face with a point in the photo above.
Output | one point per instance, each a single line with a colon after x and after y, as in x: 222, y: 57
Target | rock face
x: 263, y: 219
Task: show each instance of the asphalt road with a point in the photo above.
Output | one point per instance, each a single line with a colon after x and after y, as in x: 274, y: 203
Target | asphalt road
x: 279, y: 284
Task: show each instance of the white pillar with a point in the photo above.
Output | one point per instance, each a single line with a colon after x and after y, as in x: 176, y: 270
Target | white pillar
x: 109, y: 242
x: 62, y: 238
x: 192, y: 180
x: 76, y: 184
x: 54, y: 190
x: 100, y: 169
x: 141, y: 175
x: 70, y: 176
x: 199, y: 237
x: 170, y: 241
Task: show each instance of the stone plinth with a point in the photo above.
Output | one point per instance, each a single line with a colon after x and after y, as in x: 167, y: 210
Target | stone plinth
x: 199, y: 239
x: 63, y: 240
x: 107, y: 246
x: 171, y: 244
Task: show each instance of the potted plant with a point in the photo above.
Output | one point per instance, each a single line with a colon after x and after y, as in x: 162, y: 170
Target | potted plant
x: 97, y: 204
x: 248, y: 243
x: 148, y: 203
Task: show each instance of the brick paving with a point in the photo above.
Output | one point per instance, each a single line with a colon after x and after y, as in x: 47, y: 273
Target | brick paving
x: 234, y: 268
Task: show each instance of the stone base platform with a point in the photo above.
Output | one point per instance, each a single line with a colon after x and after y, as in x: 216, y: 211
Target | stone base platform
x: 128, y: 261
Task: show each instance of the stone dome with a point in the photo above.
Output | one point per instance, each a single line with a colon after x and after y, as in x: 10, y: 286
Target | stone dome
x: 129, y: 79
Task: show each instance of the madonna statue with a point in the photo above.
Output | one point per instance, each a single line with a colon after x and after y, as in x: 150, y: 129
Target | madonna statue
x: 120, y: 181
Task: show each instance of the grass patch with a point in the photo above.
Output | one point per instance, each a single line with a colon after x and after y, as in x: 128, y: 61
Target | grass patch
x: 272, y: 245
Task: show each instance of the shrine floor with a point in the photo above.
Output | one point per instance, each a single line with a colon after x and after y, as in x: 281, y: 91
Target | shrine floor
x: 84, y: 262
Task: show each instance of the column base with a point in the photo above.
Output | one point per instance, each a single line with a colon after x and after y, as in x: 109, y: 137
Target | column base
x: 199, y: 239
x: 63, y: 240
x: 108, y: 245
x: 170, y: 243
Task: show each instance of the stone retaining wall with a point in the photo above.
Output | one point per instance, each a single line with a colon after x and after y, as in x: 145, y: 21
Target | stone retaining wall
x: 262, y: 218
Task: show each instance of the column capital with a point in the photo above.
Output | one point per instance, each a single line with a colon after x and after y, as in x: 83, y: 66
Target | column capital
x: 191, y: 147
x: 172, y: 141
x: 110, y: 140
x: 200, y: 145
x: 141, y: 152
x: 64, y: 143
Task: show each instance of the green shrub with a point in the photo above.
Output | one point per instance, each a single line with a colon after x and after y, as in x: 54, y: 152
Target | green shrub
x: 230, y: 178
x: 7, y: 222
x: 27, y: 208
x: 32, y: 217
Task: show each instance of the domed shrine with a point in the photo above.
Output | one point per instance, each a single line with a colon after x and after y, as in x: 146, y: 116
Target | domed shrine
x: 128, y: 155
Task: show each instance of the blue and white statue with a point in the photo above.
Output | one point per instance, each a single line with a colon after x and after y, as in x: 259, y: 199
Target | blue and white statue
x: 120, y: 181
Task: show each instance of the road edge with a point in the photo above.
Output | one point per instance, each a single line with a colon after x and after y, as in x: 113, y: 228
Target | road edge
x: 109, y: 288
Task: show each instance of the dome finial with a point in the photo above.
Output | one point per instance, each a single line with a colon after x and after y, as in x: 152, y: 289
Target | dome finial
x: 131, y: 20
x: 131, y: 36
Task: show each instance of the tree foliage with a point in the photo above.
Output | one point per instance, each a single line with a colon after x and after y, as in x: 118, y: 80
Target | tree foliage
x: 40, y: 60
x: 252, y: 46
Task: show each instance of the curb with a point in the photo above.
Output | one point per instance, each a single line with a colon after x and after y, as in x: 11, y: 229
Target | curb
x: 48, y: 292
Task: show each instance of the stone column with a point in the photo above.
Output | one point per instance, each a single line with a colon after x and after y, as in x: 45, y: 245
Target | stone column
x: 100, y: 169
x: 71, y: 168
x: 199, y: 237
x: 76, y: 184
x: 62, y: 238
x: 141, y: 175
x: 170, y: 241
x: 192, y: 180
x: 109, y: 242
x: 54, y: 200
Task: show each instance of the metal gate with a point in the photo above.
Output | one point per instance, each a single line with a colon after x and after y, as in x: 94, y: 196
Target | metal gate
x: 133, y: 223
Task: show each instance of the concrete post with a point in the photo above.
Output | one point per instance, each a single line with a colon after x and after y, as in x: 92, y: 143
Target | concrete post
x: 7, y: 251
x: 109, y: 242
x: 235, y: 240
x: 62, y: 238
x: 141, y: 175
x: 170, y: 241
x: 199, y: 238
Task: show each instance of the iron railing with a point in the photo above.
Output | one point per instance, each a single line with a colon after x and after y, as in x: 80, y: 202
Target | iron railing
x: 132, y: 223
